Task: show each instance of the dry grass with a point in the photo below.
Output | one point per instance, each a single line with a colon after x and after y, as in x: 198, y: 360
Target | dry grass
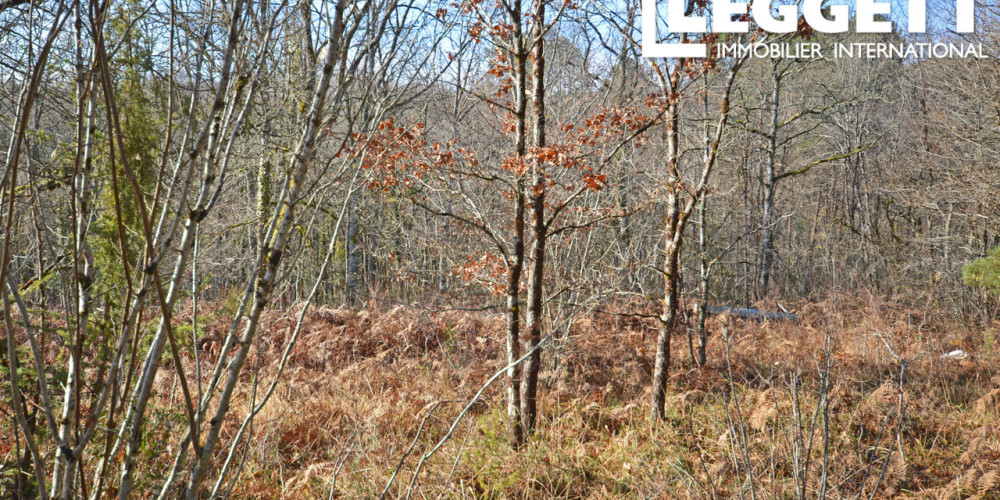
x: 365, y: 381
x: 359, y: 384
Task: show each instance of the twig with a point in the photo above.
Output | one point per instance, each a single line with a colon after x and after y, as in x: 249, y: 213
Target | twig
x: 454, y: 465
x: 402, y: 459
x: 465, y: 411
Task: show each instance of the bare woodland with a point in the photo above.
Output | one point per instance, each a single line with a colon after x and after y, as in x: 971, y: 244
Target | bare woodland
x: 401, y: 249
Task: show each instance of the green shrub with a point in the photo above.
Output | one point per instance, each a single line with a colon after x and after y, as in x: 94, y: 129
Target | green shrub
x: 984, y: 272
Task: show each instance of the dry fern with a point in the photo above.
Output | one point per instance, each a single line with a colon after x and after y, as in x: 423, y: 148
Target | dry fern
x: 764, y: 411
x: 988, y: 482
x: 988, y: 403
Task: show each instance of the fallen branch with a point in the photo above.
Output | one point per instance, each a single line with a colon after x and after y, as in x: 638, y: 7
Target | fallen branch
x: 754, y: 314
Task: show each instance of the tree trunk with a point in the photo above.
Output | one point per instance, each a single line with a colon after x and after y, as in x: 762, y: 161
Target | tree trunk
x: 63, y: 473
x: 263, y: 203
x: 670, y: 262
x: 266, y: 279
x: 703, y: 284
x: 514, y: 319
x: 353, y: 256
x: 767, y: 208
x: 536, y: 196
x: 516, y: 257
x: 529, y: 389
x: 676, y: 221
x: 671, y: 283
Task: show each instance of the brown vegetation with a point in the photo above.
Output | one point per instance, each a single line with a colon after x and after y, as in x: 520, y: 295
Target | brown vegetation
x: 360, y: 384
x: 403, y: 248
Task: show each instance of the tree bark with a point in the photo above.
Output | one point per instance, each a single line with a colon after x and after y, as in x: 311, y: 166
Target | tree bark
x: 769, y: 180
x: 516, y: 257
x: 536, y: 197
x: 514, y: 320
x: 703, y: 284
x: 263, y: 202
x: 83, y: 261
x: 299, y: 163
x: 668, y: 319
x: 210, y: 141
x: 353, y: 255
x: 671, y: 258
x: 676, y: 220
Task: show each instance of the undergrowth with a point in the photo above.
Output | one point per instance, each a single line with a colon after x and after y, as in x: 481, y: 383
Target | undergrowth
x: 805, y: 409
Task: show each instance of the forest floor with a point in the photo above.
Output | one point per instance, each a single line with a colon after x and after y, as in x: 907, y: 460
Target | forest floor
x: 366, y: 392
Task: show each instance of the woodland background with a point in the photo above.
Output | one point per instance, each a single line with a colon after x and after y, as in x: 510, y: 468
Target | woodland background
x: 410, y: 248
